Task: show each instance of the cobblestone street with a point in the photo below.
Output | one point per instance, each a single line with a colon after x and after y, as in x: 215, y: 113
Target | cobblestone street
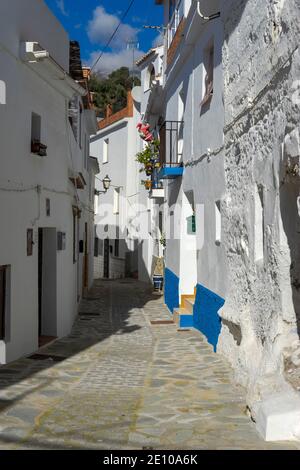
x: 120, y: 382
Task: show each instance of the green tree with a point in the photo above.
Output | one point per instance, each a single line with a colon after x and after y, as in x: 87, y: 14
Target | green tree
x: 112, y: 89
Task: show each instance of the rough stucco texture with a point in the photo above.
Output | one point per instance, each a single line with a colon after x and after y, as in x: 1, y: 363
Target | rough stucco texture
x: 261, y: 62
x: 206, y: 318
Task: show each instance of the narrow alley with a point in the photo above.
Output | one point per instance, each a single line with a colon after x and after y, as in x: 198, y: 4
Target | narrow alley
x: 125, y: 378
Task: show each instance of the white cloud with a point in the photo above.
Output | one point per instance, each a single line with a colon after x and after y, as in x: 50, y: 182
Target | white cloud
x: 61, y: 6
x: 103, y: 24
x: 111, y: 61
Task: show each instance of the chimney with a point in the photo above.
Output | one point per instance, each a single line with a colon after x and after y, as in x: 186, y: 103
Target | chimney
x: 109, y: 111
x: 129, y: 104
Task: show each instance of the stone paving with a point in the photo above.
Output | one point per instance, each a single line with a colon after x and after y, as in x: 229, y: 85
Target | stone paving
x: 119, y: 382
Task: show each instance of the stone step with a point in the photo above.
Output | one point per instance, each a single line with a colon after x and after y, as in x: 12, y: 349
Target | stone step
x: 182, y: 318
x: 188, y: 304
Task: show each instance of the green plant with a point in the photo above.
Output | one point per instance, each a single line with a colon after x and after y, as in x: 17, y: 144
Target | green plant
x: 162, y: 240
x: 149, y: 155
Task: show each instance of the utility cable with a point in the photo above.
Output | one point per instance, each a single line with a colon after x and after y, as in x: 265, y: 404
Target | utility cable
x: 114, y: 33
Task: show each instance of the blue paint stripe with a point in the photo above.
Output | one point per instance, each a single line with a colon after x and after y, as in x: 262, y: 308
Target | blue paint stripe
x: 206, y: 318
x: 186, y: 321
x: 171, y: 290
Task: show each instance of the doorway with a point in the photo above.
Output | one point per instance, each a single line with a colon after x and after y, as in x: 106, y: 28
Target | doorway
x: 47, y: 285
x: 188, y: 245
x: 85, y: 262
x: 106, y: 259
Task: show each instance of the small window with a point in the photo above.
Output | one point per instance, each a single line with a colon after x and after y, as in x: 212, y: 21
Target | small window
x: 96, y: 247
x: 36, y: 127
x: 48, y: 207
x: 116, y: 201
x: 36, y: 145
x: 105, y: 150
x: 3, y: 278
x: 208, y: 65
x: 73, y: 116
x: 160, y: 222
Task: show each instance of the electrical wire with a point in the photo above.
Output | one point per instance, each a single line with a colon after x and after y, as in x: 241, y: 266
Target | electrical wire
x: 114, y: 33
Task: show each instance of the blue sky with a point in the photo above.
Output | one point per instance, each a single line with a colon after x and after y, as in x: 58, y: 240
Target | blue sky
x: 91, y: 22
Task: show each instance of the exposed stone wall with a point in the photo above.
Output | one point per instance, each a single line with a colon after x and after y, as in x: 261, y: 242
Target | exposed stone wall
x: 261, y: 62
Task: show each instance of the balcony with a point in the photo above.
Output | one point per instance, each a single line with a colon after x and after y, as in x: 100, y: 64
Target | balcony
x: 171, y: 150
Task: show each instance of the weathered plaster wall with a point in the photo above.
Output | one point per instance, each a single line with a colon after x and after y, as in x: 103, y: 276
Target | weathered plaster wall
x: 261, y: 63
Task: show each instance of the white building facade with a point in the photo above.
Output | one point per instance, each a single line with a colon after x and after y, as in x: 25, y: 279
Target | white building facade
x: 46, y: 181
x: 115, y: 146
x: 192, y: 162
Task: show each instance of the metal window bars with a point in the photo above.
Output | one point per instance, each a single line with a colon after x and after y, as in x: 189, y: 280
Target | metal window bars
x: 171, y: 144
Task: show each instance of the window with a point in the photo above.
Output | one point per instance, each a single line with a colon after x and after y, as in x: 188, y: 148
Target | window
x: 218, y: 222
x: 36, y: 127
x: 48, y: 207
x: 3, y: 272
x: 96, y: 247
x: 180, y: 124
x: 36, y: 146
x: 105, y: 151
x: 73, y: 116
x: 116, y: 201
x: 160, y: 222
x: 208, y: 64
x: 150, y: 77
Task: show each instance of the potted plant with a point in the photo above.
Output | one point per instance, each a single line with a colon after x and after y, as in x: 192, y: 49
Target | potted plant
x: 147, y: 184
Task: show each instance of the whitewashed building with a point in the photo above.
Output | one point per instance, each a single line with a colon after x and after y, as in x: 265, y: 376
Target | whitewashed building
x: 46, y: 179
x: 115, y: 146
x: 152, y: 108
x: 192, y: 165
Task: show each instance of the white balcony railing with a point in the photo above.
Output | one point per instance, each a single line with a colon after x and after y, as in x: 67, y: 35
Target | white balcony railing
x: 175, y: 21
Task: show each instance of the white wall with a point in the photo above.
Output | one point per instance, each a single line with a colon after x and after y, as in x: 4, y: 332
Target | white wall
x: 203, y: 175
x: 22, y: 206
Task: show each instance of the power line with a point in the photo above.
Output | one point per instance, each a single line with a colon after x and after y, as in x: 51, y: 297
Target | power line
x: 114, y: 33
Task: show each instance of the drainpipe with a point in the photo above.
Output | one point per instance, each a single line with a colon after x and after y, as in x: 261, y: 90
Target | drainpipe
x: 207, y: 18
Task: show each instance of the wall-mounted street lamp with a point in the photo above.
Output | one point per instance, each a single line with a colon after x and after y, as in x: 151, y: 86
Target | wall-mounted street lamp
x: 106, y: 185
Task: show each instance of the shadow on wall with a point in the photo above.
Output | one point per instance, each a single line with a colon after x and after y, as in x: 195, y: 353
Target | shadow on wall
x: 289, y: 194
x: 231, y: 13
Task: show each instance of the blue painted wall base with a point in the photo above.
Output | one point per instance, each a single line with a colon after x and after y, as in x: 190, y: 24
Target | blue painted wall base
x: 186, y: 321
x: 171, y: 290
x: 206, y: 318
